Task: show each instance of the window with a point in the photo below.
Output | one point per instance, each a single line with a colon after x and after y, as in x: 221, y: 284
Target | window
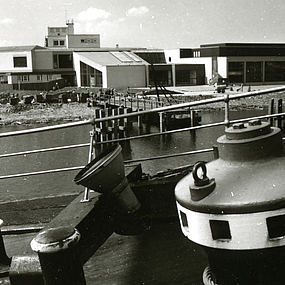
x: 193, y: 76
x: 185, y: 76
x: 276, y: 226
x: 89, y: 41
x: 61, y: 43
x: 23, y: 78
x: 20, y: 61
x: 186, y: 53
x: 274, y: 71
x: 39, y: 77
x: 55, y: 43
x: 254, y: 71
x: 236, y: 72
x: 183, y: 219
x: 62, y: 61
x: 220, y: 229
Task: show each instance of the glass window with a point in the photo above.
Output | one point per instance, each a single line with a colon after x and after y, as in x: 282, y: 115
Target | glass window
x: 23, y: 78
x: 274, y: 71
x: 65, y: 61
x: 20, y: 61
x: 55, y: 61
x: 236, y: 72
x: 55, y: 43
x: 254, y: 71
x: 62, y: 43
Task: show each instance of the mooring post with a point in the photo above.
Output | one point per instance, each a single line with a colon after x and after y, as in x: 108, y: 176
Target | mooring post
x: 4, y: 259
x: 59, y: 259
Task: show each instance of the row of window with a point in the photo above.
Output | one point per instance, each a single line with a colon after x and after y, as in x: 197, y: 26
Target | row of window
x: 26, y: 78
x: 89, y: 41
x: 257, y: 71
x: 62, y: 42
x: 59, y: 43
x: 221, y: 229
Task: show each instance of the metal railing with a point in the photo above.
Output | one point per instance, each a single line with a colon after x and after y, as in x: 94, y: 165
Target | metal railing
x: 226, y: 99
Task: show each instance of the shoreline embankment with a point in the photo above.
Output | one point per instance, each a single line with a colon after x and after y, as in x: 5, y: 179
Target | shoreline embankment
x: 53, y: 113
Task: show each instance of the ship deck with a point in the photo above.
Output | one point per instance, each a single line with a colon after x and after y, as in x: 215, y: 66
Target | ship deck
x: 161, y: 255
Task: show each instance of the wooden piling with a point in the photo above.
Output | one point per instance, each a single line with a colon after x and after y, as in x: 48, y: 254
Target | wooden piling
x: 271, y: 111
x: 279, y: 110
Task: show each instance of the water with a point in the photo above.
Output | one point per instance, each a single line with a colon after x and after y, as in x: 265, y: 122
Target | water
x: 14, y: 189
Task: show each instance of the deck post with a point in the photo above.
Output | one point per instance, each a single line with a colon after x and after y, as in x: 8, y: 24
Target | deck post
x: 59, y: 257
x: 192, y: 118
x: 279, y: 110
x: 162, y: 122
x: 271, y: 111
x: 4, y: 259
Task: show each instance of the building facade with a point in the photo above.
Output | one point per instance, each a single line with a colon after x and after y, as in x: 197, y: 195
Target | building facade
x: 70, y: 59
x: 240, y: 63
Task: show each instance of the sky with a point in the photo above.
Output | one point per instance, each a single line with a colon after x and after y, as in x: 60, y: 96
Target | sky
x: 165, y: 24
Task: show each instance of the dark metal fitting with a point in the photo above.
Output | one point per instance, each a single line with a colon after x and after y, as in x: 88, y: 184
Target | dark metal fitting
x: 239, y: 126
x: 256, y: 122
x: 226, y: 98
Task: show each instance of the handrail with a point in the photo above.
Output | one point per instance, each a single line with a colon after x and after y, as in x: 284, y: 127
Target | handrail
x: 193, y: 128
x: 41, y: 172
x: 44, y: 150
x: 161, y: 109
x: 169, y: 155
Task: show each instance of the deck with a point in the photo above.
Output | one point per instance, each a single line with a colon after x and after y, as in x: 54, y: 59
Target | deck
x: 161, y: 255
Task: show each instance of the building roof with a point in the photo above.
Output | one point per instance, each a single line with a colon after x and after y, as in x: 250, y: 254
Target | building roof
x: 20, y: 48
x: 242, y: 49
x: 105, y: 58
x: 246, y: 45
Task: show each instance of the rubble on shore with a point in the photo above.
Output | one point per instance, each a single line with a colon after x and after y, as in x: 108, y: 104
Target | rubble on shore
x: 64, y: 109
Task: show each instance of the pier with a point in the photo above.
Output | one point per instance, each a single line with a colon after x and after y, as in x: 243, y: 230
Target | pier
x: 135, y: 103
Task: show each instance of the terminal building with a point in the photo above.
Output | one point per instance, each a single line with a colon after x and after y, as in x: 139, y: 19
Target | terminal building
x: 70, y: 59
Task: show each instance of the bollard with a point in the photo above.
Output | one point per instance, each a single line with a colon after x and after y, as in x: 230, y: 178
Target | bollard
x: 4, y: 259
x: 58, y: 256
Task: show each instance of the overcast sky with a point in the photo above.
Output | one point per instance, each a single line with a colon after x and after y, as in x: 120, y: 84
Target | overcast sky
x: 146, y: 23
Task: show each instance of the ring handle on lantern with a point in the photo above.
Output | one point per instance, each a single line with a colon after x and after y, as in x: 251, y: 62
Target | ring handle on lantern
x: 197, y: 180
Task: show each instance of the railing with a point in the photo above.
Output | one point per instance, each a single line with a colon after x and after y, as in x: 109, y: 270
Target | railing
x: 226, y: 99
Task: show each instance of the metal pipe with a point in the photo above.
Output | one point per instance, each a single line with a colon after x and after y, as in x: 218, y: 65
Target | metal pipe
x: 86, y: 190
x: 41, y: 172
x: 193, y: 128
x: 43, y: 150
x: 169, y: 155
x: 48, y: 128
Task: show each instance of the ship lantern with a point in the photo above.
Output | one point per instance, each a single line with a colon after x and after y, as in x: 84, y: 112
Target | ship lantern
x: 234, y: 207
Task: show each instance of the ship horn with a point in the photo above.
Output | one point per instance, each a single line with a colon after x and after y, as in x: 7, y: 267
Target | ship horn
x: 106, y: 174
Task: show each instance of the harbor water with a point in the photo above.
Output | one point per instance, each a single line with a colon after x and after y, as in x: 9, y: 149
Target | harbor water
x: 54, y: 184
